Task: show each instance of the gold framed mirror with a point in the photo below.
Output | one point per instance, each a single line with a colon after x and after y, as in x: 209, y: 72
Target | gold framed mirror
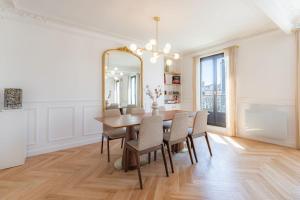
x: 122, y: 79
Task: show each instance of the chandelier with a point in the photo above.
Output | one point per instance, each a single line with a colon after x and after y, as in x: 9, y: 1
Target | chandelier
x: 154, y: 48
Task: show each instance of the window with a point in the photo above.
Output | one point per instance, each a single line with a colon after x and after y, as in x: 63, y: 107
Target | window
x: 133, y: 90
x: 117, y: 92
x: 213, y: 89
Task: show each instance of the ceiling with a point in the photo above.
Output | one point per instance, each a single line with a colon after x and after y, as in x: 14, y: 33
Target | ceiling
x: 186, y: 24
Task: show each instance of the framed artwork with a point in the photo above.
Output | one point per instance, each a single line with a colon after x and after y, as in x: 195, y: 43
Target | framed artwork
x: 12, y: 98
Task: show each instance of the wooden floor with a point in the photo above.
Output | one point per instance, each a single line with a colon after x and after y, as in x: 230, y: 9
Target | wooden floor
x: 239, y: 169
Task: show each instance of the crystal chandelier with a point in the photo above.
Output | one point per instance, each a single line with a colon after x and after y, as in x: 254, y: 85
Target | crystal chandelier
x: 153, y: 47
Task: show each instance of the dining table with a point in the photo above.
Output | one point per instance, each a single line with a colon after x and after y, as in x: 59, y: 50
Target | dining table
x: 129, y: 121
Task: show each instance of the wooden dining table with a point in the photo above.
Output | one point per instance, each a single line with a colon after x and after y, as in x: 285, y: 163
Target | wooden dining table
x: 128, y: 122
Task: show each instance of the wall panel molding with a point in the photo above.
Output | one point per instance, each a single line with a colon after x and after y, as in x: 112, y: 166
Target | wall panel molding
x: 85, y: 130
x: 51, y: 137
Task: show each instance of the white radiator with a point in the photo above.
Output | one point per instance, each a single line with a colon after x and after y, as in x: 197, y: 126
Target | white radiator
x: 263, y: 121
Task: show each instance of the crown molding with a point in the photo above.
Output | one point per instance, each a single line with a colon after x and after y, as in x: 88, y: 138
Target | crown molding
x: 10, y: 12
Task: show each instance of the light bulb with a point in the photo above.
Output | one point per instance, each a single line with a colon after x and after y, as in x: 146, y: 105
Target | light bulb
x: 133, y: 47
x: 116, y: 78
x: 112, y: 72
x: 148, y: 46
x: 121, y: 74
x: 176, y: 56
x: 152, y: 42
x: 139, y: 52
x: 168, y: 46
x: 116, y: 69
x: 166, y: 50
x: 153, y: 59
x: 169, y: 62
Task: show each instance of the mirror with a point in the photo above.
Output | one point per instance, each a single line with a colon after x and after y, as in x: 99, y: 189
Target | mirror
x: 122, y: 79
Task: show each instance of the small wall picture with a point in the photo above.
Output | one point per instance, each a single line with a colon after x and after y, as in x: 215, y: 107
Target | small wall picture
x: 12, y: 98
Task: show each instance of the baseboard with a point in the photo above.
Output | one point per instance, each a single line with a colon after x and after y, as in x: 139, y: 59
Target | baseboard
x: 57, y: 147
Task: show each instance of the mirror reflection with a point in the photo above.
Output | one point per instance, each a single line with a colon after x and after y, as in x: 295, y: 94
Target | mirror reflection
x: 122, y: 80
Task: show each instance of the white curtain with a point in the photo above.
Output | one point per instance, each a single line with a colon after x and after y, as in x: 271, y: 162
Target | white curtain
x: 230, y: 60
x: 298, y: 88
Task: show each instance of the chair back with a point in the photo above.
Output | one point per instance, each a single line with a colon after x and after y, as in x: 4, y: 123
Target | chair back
x: 110, y: 113
x: 129, y: 108
x: 151, y: 132
x: 137, y: 111
x: 179, y: 127
x: 200, y: 122
x: 112, y: 106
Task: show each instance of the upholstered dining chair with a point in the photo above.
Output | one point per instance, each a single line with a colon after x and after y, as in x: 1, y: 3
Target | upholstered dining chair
x: 137, y: 111
x: 177, y: 134
x: 111, y: 133
x: 150, y: 139
x: 129, y: 108
x: 113, y: 106
x: 166, y: 124
x: 199, y: 129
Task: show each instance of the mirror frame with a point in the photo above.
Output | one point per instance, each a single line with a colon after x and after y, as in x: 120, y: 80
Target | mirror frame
x: 124, y: 50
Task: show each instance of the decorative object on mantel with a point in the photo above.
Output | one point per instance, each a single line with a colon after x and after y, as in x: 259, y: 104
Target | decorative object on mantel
x: 154, y: 95
x: 153, y: 47
x: 12, y: 98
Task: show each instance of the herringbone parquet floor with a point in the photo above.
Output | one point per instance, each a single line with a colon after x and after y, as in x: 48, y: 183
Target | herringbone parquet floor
x: 239, y: 169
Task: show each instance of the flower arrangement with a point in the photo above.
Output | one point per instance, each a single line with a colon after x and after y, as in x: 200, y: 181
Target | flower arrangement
x: 154, y: 95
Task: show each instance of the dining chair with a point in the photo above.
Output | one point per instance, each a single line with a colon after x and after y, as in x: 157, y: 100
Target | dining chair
x: 129, y: 108
x: 150, y: 139
x: 177, y: 134
x: 113, y: 106
x: 166, y: 124
x: 112, y: 133
x: 137, y: 111
x: 199, y: 130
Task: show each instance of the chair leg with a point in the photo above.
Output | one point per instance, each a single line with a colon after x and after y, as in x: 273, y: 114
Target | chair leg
x: 108, y: 154
x: 122, y: 142
x: 170, y: 156
x: 149, y: 157
x: 155, y: 155
x: 189, y: 148
x: 164, y: 157
x: 126, y: 158
x: 139, y: 168
x: 193, y: 147
x: 206, y: 137
x: 102, y: 144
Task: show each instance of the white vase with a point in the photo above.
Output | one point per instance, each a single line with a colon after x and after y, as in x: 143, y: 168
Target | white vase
x: 155, y: 110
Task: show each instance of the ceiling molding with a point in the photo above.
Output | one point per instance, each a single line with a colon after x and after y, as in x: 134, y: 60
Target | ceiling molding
x: 277, y: 13
x: 9, y: 11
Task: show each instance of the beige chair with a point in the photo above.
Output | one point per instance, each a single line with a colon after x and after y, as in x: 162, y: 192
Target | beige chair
x: 166, y: 124
x: 111, y: 133
x: 150, y: 139
x: 178, y: 134
x: 199, y: 129
x: 129, y: 108
x: 137, y: 111
x: 113, y: 106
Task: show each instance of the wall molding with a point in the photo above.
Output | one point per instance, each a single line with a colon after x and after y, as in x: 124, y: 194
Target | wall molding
x: 84, y: 120
x: 50, y: 138
x: 56, y: 147
x: 21, y: 15
x: 36, y: 126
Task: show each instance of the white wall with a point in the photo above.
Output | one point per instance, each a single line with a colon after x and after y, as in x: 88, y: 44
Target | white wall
x: 266, y: 80
x: 59, y: 70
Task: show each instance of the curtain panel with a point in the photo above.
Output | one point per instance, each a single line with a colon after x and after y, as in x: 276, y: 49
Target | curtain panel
x: 298, y: 87
x: 230, y: 61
